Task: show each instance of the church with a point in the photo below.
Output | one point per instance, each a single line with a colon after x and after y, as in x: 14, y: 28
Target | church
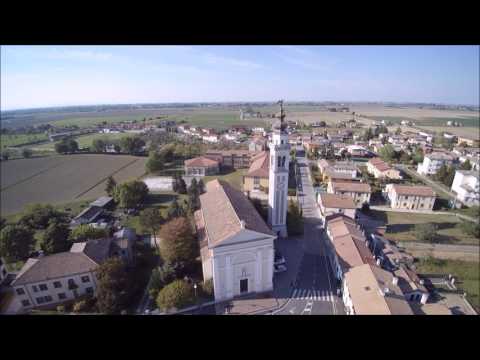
x: 237, y: 246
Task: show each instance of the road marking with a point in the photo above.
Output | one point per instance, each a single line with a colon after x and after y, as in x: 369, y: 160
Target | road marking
x: 294, y: 293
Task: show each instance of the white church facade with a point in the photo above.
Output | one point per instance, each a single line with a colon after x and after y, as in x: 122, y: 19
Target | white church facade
x: 237, y: 246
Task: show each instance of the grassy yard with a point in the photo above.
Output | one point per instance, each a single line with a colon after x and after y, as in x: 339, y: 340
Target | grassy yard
x: 234, y: 178
x: 401, y: 227
x: 160, y: 200
x: 467, y: 274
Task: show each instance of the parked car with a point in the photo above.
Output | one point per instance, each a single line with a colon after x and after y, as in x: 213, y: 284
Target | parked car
x: 279, y: 268
x: 279, y: 259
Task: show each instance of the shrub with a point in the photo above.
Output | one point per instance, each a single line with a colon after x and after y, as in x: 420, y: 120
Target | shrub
x: 178, y: 294
x: 426, y: 232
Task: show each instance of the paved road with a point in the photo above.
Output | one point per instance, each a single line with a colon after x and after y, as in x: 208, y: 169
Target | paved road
x: 314, y: 291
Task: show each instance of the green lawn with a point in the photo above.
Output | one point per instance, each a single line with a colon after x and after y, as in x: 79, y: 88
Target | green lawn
x: 467, y: 274
x: 160, y: 200
x: 401, y: 227
x: 7, y: 140
x: 234, y: 178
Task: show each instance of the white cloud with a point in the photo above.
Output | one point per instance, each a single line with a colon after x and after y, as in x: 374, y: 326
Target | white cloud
x: 222, y: 60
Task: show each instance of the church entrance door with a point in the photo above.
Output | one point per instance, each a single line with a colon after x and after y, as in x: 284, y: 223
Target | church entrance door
x: 243, y: 286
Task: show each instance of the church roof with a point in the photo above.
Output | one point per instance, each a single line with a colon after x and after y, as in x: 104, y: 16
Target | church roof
x: 226, y: 211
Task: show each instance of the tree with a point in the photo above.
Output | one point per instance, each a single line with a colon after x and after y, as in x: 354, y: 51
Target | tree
x: 405, y: 158
x: 201, y: 186
x: 294, y: 219
x: 387, y: 152
x: 98, y: 145
x: 151, y: 219
x: 112, y: 285
x: 175, y: 210
x: 445, y: 175
x: 66, y: 146
x: 86, y: 232
x: 398, y: 131
x: 3, y: 222
x: 178, y: 242
x: 131, y: 145
x: 426, y: 232
x: 418, y: 155
x: 177, y: 294
x: 160, y: 277
x: 181, y: 186
x: 110, y: 186
x: 193, y: 195
x: 27, y: 153
x: 368, y: 134
x: 16, y: 242
x: 37, y: 216
x: 55, y: 237
x: 466, y: 165
x: 131, y: 194
x: 207, y: 288
x: 61, y: 147
x: 155, y: 162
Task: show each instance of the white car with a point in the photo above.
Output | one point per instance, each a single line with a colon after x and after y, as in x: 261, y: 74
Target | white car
x: 279, y: 268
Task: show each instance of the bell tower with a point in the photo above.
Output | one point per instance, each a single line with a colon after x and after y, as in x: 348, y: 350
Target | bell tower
x: 278, y: 176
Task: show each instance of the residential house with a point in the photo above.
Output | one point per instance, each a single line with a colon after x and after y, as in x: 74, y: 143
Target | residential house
x: 256, y: 179
x: 381, y: 170
x: 370, y: 290
x: 236, y: 245
x: 236, y: 159
x: 410, y: 197
x: 49, y: 280
x: 466, y: 186
x: 201, y: 166
x: 434, y: 161
x: 331, y: 204
x: 360, y: 192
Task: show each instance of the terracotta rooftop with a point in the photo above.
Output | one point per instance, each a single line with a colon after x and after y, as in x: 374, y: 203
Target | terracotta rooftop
x: 82, y: 257
x: 260, y: 165
x: 337, y: 201
x: 373, y: 293
x: 413, y: 190
x: 351, y: 187
x: 201, y: 161
x: 224, y: 209
x: 379, y: 164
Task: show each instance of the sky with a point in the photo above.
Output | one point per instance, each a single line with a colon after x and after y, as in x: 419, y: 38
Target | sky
x: 43, y: 76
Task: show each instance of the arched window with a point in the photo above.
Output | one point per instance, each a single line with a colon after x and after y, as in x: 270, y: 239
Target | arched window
x: 279, y: 161
x: 283, y: 161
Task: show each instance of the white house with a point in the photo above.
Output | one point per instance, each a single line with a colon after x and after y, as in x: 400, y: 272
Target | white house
x: 237, y: 246
x: 210, y: 138
x: 434, y: 161
x: 466, y: 186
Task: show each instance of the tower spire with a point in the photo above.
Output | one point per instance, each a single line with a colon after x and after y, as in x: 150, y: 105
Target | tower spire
x: 282, y: 115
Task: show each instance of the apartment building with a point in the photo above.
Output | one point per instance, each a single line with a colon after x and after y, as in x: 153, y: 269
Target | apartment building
x: 466, y: 186
x: 360, y: 192
x: 434, y: 161
x: 47, y: 281
x: 410, y: 197
x: 347, y: 245
x: 236, y: 159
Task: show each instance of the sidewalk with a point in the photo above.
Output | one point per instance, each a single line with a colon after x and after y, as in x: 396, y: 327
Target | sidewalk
x: 249, y: 305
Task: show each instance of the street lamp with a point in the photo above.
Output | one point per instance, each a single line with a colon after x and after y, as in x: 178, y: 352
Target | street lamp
x: 195, y: 288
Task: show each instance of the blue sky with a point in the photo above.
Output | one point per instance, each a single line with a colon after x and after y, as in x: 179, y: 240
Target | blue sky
x: 41, y: 76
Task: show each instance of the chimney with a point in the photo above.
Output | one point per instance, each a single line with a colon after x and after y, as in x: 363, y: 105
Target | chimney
x: 395, y: 281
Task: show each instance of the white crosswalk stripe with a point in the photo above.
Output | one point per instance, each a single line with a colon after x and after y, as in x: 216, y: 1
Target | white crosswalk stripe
x: 312, y: 295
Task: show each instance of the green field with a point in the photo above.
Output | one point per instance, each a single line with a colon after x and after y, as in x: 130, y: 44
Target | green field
x: 7, y: 140
x: 234, y: 178
x: 86, y: 140
x: 401, y: 227
x: 467, y: 273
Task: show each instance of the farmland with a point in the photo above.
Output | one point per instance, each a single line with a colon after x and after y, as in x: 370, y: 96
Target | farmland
x: 20, y: 139
x: 60, y: 179
x: 85, y: 140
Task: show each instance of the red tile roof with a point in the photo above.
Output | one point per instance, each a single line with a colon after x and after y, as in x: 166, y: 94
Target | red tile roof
x: 201, y: 161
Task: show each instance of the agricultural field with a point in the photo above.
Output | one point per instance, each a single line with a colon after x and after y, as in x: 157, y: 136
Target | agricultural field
x: 401, y: 227
x: 8, y: 140
x: 62, y: 178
